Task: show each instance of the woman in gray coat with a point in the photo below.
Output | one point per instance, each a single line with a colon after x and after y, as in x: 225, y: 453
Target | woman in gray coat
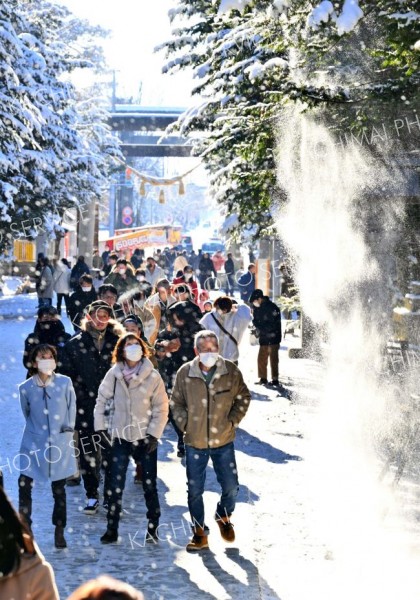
x: 48, y: 404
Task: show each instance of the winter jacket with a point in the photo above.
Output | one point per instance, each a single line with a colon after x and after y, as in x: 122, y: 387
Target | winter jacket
x: 267, y: 320
x: 47, y: 332
x: 87, y: 367
x: 78, y: 302
x: 235, y: 322
x: 246, y: 284
x: 159, y: 310
x: 206, y: 267
x: 45, y: 287
x: 33, y: 580
x: 209, y: 414
x: 46, y: 450
x: 190, y: 313
x: 153, y: 277
x: 97, y: 262
x: 136, y: 260
x: 180, y: 262
x: 134, y: 409
x: 79, y: 269
x: 61, y: 278
x: 229, y: 267
x: 123, y: 284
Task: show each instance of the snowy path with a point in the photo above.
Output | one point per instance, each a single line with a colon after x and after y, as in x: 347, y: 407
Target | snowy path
x: 278, y: 553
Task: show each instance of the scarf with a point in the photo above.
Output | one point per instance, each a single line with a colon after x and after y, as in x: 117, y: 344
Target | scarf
x: 130, y: 372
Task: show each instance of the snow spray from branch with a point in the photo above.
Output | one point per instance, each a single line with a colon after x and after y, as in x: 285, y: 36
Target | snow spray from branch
x: 341, y: 224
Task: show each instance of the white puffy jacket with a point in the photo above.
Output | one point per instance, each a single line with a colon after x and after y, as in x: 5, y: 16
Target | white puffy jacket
x: 130, y: 412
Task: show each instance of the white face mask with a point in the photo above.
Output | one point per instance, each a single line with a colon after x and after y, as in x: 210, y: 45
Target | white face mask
x: 46, y: 365
x: 133, y: 352
x: 256, y: 303
x: 141, y: 278
x: 86, y: 288
x: 208, y: 359
x: 122, y: 271
x: 188, y: 276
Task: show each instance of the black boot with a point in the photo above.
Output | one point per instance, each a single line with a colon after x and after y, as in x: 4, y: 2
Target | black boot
x: 110, y: 536
x: 59, y: 539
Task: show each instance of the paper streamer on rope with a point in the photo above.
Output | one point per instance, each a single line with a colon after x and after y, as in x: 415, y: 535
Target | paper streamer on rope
x: 157, y: 181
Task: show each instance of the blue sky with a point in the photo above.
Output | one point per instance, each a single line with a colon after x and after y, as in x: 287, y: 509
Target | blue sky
x: 137, y: 27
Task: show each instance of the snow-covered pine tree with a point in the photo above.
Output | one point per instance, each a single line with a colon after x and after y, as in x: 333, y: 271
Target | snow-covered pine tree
x: 60, y: 158
x: 252, y: 57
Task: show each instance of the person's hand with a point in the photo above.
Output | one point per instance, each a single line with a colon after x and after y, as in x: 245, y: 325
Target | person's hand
x: 150, y: 443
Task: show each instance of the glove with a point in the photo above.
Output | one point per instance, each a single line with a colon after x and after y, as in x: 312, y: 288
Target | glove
x: 150, y: 443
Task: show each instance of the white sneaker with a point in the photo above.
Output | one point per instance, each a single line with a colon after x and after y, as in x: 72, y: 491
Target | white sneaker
x: 91, y: 507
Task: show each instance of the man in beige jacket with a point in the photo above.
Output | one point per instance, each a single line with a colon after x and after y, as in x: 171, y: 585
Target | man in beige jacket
x: 208, y: 402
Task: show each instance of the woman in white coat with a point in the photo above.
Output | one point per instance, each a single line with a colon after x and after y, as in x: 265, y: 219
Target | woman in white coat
x: 61, y: 281
x: 48, y: 404
x: 131, y: 412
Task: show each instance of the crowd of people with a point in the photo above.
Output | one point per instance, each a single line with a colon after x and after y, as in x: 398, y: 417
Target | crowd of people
x: 149, y: 347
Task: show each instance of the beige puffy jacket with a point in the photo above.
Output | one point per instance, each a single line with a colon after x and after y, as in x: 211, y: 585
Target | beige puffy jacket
x: 209, y: 415
x: 134, y: 410
x: 33, y: 580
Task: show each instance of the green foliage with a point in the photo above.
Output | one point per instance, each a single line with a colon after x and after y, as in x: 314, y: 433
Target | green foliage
x: 250, y: 64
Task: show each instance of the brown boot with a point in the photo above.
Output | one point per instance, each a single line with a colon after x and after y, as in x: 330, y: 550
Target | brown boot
x: 226, y: 529
x: 59, y: 539
x: 199, y: 540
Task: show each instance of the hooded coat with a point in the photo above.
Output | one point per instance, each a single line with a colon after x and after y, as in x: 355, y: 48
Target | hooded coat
x: 46, y: 450
x: 87, y: 367
x: 135, y: 409
x: 209, y: 414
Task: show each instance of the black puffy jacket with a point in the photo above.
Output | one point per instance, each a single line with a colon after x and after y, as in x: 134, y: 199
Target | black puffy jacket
x: 86, y: 367
x: 267, y: 320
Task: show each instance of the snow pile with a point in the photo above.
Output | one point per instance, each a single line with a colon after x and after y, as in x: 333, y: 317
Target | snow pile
x: 346, y: 22
x: 350, y: 16
x: 321, y: 14
x: 228, y: 5
x: 258, y: 69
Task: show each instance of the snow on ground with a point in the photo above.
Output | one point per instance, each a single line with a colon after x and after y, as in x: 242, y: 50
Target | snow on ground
x: 280, y: 551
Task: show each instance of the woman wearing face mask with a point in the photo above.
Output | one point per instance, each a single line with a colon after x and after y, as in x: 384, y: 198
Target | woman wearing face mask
x: 84, y: 295
x: 132, y: 410
x: 187, y: 278
x: 48, y: 330
x: 48, y: 404
x: 122, y: 277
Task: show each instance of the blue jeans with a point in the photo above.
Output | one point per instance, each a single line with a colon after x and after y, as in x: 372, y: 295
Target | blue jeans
x: 224, y: 464
x: 120, y: 454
